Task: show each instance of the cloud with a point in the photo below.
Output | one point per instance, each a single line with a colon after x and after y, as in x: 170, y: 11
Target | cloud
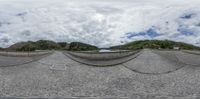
x: 103, y: 23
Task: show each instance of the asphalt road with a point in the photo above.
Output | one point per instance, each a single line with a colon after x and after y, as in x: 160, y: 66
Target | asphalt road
x: 151, y: 75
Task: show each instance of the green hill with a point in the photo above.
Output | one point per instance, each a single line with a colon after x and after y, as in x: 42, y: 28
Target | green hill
x: 40, y: 45
x: 155, y: 44
x: 32, y: 46
x: 64, y: 45
x: 18, y: 46
x: 2, y: 49
x: 50, y: 45
x: 78, y: 46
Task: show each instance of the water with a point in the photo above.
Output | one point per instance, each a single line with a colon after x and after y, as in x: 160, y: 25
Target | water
x: 105, y: 50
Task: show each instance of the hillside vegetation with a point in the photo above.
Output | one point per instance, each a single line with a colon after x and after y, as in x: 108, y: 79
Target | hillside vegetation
x: 2, y: 49
x: 50, y: 45
x: 155, y: 44
x: 78, y: 46
x: 18, y: 45
x: 32, y: 46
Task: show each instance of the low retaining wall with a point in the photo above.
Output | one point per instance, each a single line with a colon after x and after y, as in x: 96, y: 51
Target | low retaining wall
x: 102, y: 55
x: 191, y: 52
x: 102, y: 59
x: 25, y: 54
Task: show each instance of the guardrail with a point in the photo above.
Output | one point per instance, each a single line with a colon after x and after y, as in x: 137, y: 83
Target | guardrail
x: 24, y: 54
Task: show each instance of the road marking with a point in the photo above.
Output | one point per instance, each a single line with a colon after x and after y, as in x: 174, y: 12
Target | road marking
x: 58, y: 67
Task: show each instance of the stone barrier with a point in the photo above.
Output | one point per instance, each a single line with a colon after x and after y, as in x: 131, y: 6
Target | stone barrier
x: 102, y: 58
x: 25, y: 54
x: 102, y: 55
x: 191, y: 52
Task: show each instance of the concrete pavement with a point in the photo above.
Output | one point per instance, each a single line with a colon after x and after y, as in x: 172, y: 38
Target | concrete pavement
x: 57, y: 76
x: 99, y: 60
x: 151, y: 63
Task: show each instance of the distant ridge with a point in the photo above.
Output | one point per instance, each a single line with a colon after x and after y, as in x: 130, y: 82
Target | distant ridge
x: 32, y: 46
x: 156, y: 44
x: 78, y: 46
x: 50, y: 45
x: 1, y: 49
x: 18, y: 45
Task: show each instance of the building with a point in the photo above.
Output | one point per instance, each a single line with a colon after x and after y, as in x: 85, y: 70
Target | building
x: 176, y: 48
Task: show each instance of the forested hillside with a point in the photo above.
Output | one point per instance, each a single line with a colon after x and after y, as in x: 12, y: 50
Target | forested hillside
x: 78, y: 46
x: 155, y: 44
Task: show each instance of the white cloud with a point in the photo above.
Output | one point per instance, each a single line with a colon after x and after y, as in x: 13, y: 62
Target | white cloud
x: 103, y: 23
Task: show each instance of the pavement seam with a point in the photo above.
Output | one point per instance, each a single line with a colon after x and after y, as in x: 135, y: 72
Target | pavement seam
x: 134, y: 70
x: 181, y: 62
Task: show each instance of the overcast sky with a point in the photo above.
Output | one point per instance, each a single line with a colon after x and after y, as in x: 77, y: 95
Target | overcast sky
x: 99, y: 22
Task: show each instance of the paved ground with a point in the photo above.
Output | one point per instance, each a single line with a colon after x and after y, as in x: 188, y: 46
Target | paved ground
x: 59, y: 76
x: 6, y: 61
x: 111, y: 60
x: 152, y: 63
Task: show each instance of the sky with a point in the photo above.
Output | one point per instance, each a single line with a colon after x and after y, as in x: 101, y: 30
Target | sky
x: 103, y: 23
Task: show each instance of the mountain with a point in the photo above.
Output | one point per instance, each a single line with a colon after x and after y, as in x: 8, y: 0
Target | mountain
x: 1, y: 49
x: 64, y: 45
x: 18, y: 45
x: 50, y: 45
x: 32, y: 46
x: 78, y: 46
x: 156, y: 44
x: 46, y: 45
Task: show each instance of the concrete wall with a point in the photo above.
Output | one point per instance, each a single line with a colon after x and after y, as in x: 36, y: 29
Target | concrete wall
x: 192, y: 51
x: 24, y: 54
x: 102, y: 55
